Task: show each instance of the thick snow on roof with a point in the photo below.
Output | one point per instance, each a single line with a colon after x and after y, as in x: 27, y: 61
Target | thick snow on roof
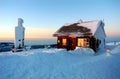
x: 93, y: 25
x: 79, y: 28
x: 60, y: 64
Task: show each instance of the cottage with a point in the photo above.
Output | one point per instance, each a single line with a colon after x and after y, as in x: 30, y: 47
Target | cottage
x: 88, y: 34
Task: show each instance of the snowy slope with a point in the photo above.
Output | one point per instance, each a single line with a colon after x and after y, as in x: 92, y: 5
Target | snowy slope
x: 60, y: 64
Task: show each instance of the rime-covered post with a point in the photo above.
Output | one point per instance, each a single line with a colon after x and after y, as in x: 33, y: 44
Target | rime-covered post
x: 19, y: 34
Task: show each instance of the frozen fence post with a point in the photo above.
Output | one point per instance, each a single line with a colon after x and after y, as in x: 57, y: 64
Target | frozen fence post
x: 108, y: 51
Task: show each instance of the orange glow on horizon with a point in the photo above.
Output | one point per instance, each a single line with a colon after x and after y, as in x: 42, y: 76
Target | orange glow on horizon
x: 45, y: 33
x: 37, y: 33
x: 113, y: 33
x: 30, y: 34
x: 6, y: 34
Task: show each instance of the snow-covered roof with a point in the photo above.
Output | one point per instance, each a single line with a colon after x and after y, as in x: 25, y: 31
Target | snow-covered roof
x: 79, y: 28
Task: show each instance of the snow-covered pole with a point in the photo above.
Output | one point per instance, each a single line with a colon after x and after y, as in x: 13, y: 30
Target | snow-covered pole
x: 19, y: 34
x: 108, y: 51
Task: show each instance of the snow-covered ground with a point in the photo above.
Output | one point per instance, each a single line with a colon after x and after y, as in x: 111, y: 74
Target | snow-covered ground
x: 61, y: 64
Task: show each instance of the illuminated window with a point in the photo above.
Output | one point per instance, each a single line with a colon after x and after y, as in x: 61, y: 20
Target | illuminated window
x: 58, y: 41
x: 64, y: 41
x: 83, y: 42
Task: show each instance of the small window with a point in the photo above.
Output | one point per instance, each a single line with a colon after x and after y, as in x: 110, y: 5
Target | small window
x: 19, y: 40
x: 83, y: 42
x: 58, y: 41
x: 64, y: 41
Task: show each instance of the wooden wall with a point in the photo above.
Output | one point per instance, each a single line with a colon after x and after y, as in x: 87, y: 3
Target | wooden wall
x: 71, y: 42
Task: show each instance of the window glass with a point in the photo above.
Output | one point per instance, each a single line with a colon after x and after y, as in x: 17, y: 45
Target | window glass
x: 64, y: 41
x: 58, y: 41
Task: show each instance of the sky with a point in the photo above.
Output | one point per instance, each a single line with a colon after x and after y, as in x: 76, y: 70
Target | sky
x: 43, y: 17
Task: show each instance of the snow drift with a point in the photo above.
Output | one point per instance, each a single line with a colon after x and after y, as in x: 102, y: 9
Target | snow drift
x: 60, y: 64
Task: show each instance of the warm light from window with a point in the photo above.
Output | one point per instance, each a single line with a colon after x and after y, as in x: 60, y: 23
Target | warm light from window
x: 64, y: 41
x: 58, y: 41
x: 81, y: 42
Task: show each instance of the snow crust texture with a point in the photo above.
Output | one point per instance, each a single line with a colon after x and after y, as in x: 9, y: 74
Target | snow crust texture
x: 60, y: 64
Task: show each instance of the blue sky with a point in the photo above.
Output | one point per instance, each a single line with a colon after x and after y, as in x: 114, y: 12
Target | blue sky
x: 43, y: 17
